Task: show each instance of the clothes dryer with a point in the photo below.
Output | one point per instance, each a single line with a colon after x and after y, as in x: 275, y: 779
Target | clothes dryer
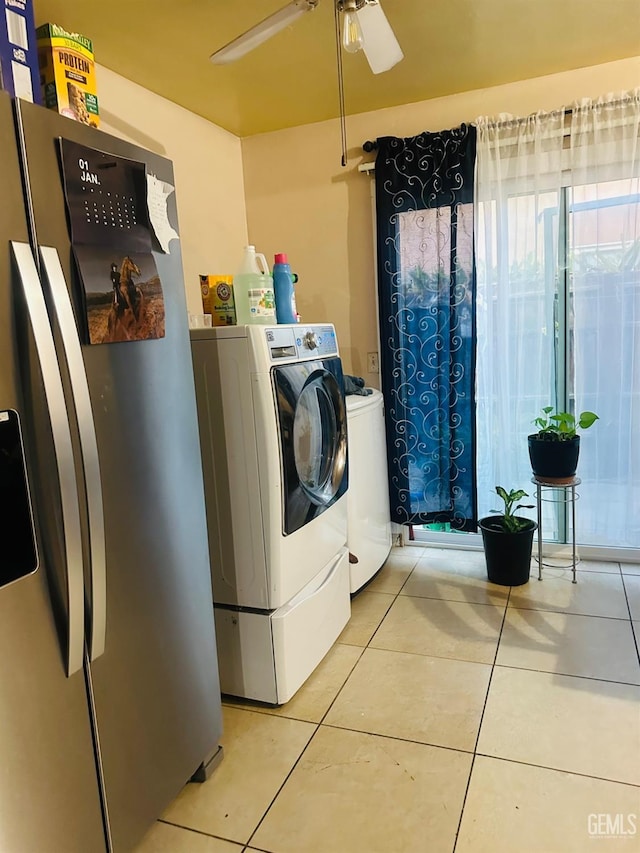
x: 273, y: 434
x: 368, y: 514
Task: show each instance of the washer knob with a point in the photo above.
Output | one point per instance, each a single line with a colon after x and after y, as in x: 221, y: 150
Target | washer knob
x: 310, y: 340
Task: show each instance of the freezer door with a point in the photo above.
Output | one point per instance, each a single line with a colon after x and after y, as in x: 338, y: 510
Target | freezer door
x: 48, y: 783
x: 156, y: 689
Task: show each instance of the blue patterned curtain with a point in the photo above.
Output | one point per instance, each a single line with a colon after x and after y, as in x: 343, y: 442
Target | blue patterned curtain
x: 426, y: 282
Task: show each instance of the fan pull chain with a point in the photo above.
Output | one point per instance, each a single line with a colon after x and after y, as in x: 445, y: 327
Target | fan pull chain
x: 343, y: 123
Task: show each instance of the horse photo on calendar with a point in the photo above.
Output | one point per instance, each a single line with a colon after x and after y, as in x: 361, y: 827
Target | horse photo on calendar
x: 123, y: 295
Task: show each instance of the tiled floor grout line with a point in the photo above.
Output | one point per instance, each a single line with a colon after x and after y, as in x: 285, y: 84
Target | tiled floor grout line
x: 633, y: 633
x: 399, y: 738
x: 284, y: 782
x: 567, y: 675
x: 570, y: 613
x: 197, y: 831
x: 484, y: 705
x: 424, y: 655
x: 559, y: 770
x: 519, y: 607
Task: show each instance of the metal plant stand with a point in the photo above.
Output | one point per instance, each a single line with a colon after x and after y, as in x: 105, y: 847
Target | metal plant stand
x: 568, y: 495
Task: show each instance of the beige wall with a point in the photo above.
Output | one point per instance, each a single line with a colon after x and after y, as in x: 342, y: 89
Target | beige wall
x: 208, y: 173
x: 290, y: 188
x: 301, y: 201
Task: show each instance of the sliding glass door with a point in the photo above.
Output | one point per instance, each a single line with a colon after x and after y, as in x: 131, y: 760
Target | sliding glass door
x: 559, y: 324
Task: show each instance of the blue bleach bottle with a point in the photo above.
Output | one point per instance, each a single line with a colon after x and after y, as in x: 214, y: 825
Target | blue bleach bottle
x: 285, y: 297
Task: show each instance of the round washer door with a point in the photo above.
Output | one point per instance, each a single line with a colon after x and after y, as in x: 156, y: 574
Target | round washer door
x: 313, y: 433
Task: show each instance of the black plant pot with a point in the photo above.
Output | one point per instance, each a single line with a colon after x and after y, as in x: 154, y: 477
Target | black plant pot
x: 508, y: 555
x: 552, y: 460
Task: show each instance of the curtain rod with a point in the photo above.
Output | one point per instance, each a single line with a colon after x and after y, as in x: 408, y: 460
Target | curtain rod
x: 626, y: 98
x: 372, y: 145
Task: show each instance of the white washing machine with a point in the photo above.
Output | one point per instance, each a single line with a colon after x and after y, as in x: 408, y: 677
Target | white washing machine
x: 369, y: 517
x: 273, y: 434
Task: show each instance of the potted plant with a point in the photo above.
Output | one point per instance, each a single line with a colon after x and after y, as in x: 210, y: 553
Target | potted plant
x: 554, y: 449
x: 508, y: 540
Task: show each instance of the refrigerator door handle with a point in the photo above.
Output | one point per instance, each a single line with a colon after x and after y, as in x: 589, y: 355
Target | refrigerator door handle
x: 89, y: 446
x: 56, y: 404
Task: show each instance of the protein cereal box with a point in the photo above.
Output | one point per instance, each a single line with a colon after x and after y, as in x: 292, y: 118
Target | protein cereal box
x: 67, y: 73
x: 217, y: 299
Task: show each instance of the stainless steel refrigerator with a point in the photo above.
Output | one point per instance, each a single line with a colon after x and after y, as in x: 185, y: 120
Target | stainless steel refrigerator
x: 109, y: 692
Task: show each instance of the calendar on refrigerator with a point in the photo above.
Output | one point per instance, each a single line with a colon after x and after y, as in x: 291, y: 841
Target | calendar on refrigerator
x: 121, y: 294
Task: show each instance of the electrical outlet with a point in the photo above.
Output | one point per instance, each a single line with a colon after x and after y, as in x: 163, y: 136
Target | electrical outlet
x: 372, y: 362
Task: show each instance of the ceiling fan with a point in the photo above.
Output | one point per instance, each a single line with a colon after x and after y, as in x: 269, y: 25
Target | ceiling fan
x: 364, y: 27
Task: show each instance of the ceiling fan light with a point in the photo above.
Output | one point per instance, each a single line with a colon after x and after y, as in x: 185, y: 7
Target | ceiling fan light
x: 379, y: 42
x: 352, y: 40
x: 261, y: 32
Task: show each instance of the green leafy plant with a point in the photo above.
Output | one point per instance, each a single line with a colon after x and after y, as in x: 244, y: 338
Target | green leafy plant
x: 422, y: 288
x: 510, y: 522
x: 562, y: 426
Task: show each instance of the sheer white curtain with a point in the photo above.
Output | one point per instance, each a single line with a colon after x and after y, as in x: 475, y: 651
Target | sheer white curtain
x: 558, y: 303
x: 518, y: 183
x: 604, y: 256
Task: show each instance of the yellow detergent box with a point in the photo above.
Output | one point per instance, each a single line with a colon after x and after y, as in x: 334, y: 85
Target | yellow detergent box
x: 67, y: 73
x: 217, y: 299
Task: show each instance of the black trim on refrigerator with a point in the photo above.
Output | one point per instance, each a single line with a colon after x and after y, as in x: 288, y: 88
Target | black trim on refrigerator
x: 26, y: 185
x: 98, y: 754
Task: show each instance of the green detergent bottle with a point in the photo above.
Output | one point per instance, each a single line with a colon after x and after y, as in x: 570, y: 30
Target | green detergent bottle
x: 253, y: 290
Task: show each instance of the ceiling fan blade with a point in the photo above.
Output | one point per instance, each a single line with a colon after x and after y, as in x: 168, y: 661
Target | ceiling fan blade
x: 261, y: 32
x: 379, y: 42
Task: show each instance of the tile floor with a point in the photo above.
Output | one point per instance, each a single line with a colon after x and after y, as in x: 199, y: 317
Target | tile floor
x: 451, y: 715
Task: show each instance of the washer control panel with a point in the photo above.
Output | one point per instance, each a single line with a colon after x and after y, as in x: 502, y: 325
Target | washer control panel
x: 316, y: 340
x: 298, y: 343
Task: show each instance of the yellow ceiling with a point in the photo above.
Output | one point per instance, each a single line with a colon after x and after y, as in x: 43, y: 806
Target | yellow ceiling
x: 449, y: 45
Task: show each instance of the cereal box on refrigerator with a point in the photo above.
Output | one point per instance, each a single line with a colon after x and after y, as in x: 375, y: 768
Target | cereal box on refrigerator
x: 18, y: 53
x: 67, y: 73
